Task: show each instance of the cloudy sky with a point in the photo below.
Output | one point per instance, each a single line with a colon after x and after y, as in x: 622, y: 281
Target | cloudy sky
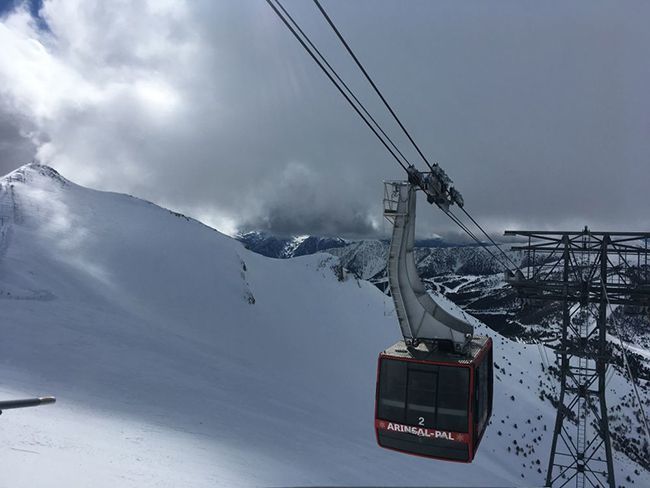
x: 539, y: 111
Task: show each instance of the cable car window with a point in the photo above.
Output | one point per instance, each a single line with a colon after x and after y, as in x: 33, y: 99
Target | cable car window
x: 453, y: 396
x: 421, y: 397
x: 392, y: 390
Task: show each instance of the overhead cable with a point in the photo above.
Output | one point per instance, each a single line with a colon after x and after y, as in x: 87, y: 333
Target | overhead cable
x: 644, y: 420
x: 397, y: 119
x: 365, y: 115
x: 304, y: 44
x: 488, y: 236
x: 370, y: 80
x: 460, y: 223
x: 341, y: 81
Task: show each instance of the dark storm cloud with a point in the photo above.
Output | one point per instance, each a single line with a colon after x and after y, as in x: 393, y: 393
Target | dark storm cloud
x: 285, y: 219
x: 538, y: 110
x: 15, y: 148
x: 295, y: 202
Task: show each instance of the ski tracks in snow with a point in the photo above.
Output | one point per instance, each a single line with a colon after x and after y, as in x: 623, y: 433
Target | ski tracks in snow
x: 8, y: 210
x: 9, y: 215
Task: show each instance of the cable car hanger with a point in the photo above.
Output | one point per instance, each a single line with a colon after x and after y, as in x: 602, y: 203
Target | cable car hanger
x: 421, y: 318
x: 434, y: 388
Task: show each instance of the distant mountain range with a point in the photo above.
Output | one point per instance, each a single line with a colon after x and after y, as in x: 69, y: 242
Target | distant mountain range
x: 466, y: 274
x: 273, y: 246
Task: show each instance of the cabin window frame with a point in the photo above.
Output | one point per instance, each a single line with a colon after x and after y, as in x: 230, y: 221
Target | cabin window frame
x: 388, y: 412
x: 483, y: 394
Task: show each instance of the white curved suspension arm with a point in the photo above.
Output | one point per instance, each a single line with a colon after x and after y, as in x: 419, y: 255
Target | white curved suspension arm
x: 420, y: 317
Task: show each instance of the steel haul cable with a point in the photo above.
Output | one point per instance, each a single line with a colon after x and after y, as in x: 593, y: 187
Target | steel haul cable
x: 458, y: 222
x: 397, y: 119
x: 330, y: 76
x: 341, y: 81
x: 627, y: 367
x: 491, y: 240
x: 368, y: 77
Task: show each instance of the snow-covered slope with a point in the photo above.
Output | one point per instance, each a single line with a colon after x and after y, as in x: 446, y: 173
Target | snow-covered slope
x: 179, y: 358
x: 472, y: 279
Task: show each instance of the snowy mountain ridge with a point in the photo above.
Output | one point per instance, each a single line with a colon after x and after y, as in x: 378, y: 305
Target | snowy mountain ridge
x: 180, y: 358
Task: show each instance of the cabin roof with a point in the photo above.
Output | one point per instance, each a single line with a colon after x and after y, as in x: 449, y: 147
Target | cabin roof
x: 422, y: 353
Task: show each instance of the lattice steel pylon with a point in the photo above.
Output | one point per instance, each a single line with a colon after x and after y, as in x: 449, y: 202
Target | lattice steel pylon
x: 581, y: 271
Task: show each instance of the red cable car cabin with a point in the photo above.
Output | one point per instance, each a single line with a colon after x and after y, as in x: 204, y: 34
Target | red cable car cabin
x: 434, y: 404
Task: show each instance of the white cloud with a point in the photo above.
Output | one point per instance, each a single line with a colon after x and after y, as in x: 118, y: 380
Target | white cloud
x: 103, y: 73
x: 206, y: 106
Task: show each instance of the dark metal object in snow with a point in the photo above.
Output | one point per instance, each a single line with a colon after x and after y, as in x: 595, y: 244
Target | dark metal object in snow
x: 583, y: 272
x: 28, y: 402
